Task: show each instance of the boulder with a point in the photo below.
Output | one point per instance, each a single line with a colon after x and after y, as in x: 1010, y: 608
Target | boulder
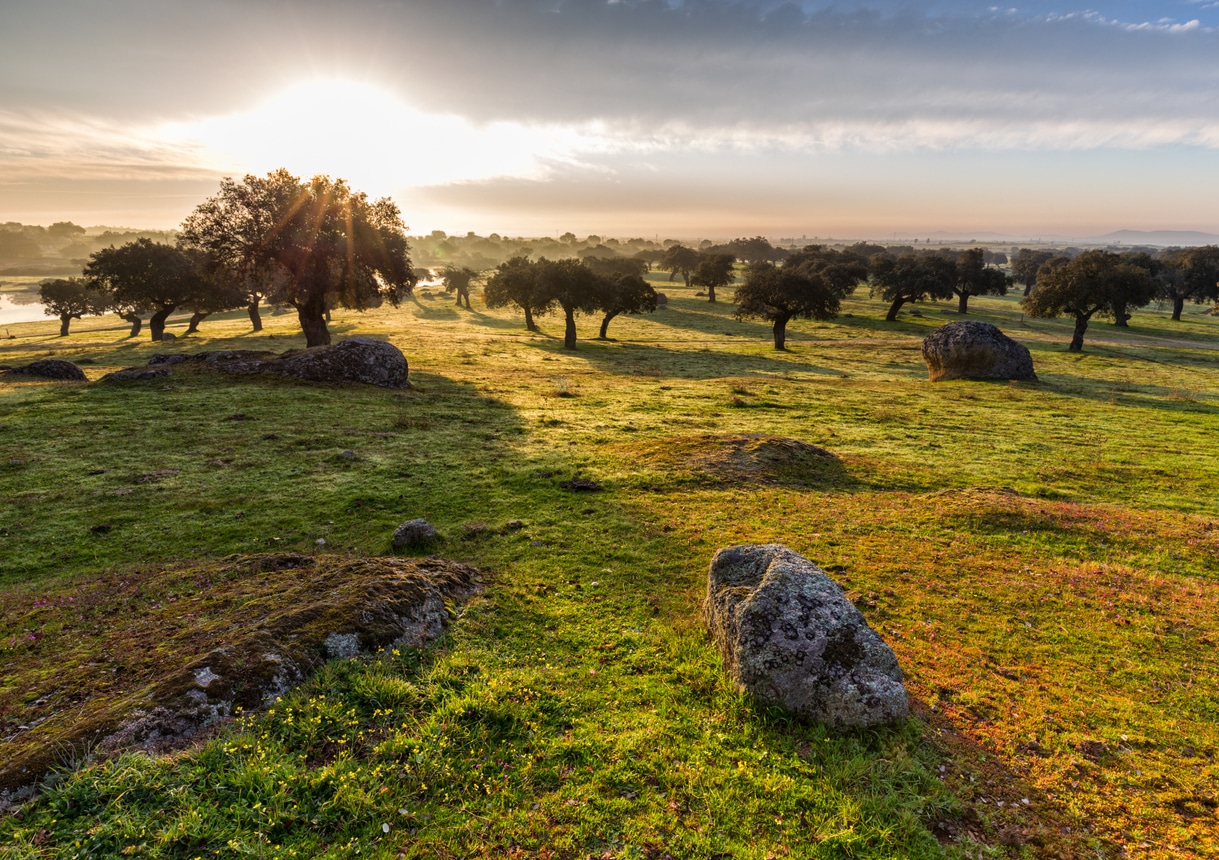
x: 789, y: 636
x: 53, y: 368
x: 414, y: 534
x: 356, y: 359
x: 137, y: 374
x: 970, y: 349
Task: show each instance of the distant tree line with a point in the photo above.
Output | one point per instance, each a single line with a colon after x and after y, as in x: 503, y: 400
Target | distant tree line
x: 317, y: 244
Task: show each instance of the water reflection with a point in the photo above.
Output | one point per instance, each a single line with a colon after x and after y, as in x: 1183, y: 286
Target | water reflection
x: 20, y: 307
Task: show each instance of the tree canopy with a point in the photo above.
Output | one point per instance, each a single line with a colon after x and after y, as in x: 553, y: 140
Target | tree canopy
x: 71, y: 298
x: 457, y: 279
x: 975, y: 278
x: 810, y: 284
x: 1025, y: 265
x: 1095, y: 282
x: 679, y: 260
x: 318, y: 242
x: 1190, y: 274
x: 626, y: 294
x: 515, y: 282
x: 146, y: 277
x: 912, y: 277
x: 714, y: 270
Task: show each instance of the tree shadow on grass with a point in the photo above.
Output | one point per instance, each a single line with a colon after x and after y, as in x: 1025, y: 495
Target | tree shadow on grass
x: 663, y: 362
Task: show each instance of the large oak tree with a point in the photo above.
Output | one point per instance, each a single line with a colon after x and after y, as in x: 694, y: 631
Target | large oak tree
x: 317, y: 242
x: 912, y: 277
x: 71, y: 298
x: 810, y: 284
x: 146, y: 277
x: 1094, y: 283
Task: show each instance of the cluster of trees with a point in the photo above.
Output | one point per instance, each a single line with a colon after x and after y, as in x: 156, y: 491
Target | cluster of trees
x: 61, y: 246
x: 597, y: 284
x: 312, y: 244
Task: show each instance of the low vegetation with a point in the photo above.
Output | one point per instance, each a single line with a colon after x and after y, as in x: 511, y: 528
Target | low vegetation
x: 1032, y: 552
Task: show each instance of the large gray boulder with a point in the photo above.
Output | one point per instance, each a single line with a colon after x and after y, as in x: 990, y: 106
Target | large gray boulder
x: 356, y: 359
x: 971, y: 349
x: 790, y: 637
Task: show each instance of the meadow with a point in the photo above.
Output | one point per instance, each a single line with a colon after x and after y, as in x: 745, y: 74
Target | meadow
x: 1042, y: 558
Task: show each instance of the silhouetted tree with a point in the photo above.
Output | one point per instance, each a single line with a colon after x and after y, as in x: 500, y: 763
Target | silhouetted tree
x: 714, y: 270
x: 1026, y: 264
x: 626, y: 294
x: 572, y: 286
x: 145, y: 277
x: 913, y: 277
x: 318, y: 242
x: 516, y: 282
x: 71, y: 298
x: 810, y: 284
x: 975, y: 278
x: 678, y: 259
x: 1095, y: 282
x: 1190, y: 274
x: 457, y: 279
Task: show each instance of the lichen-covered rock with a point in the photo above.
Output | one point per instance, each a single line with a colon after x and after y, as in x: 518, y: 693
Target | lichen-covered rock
x: 356, y: 359
x: 414, y: 534
x: 790, y: 637
x: 970, y: 349
x: 53, y: 368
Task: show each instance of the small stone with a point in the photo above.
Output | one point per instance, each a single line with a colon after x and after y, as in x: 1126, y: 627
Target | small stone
x: 414, y: 534
x: 513, y: 526
x: 320, y: 541
x: 347, y: 455
x: 205, y: 676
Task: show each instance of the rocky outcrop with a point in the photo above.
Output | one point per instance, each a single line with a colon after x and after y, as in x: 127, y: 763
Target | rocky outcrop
x: 52, y: 368
x: 789, y: 636
x: 356, y: 359
x: 970, y: 349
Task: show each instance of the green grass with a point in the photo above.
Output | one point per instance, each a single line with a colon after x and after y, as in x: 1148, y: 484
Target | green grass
x: 1058, y: 643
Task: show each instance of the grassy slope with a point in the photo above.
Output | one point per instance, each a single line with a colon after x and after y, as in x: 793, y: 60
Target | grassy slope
x: 1058, y: 644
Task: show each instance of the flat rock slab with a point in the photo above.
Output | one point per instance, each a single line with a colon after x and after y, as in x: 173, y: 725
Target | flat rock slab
x: 237, y: 632
x: 970, y: 349
x: 789, y: 636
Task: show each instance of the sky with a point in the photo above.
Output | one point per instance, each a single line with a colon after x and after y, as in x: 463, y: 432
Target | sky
x: 686, y: 118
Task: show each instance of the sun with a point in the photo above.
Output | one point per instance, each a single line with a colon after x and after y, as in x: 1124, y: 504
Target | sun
x: 371, y: 137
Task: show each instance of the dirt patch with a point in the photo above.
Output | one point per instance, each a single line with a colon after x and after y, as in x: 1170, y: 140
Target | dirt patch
x: 152, y: 657
x: 746, y: 458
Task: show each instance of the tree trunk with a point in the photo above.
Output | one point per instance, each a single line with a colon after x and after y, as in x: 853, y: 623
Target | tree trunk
x: 529, y: 323
x: 1028, y: 288
x: 136, y: 323
x: 1178, y: 305
x: 569, y: 331
x: 672, y: 275
x: 891, y: 316
x: 196, y: 318
x: 686, y: 277
x: 605, y: 324
x: 962, y: 303
x: 156, y: 323
x: 711, y: 293
x: 255, y: 316
x: 312, y: 317
x: 1077, y: 339
x: 1120, y: 317
x: 327, y: 320
x: 64, y: 321
x: 780, y: 329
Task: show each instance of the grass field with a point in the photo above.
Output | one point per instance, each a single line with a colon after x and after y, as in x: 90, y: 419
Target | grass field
x: 1041, y: 556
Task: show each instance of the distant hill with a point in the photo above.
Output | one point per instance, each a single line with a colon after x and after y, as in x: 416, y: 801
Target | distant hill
x: 1184, y: 238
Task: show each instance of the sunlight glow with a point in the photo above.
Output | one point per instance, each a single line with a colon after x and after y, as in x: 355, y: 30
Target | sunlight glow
x: 374, y: 140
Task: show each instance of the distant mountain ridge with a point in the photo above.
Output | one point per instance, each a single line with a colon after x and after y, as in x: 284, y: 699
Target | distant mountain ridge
x: 1157, y: 237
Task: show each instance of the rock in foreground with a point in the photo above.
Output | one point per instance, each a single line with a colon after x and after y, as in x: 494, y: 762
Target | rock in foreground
x: 975, y: 350
x: 790, y: 637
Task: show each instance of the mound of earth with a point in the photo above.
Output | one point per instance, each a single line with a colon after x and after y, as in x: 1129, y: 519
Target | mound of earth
x: 356, y: 359
x: 149, y: 659
x: 746, y: 458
